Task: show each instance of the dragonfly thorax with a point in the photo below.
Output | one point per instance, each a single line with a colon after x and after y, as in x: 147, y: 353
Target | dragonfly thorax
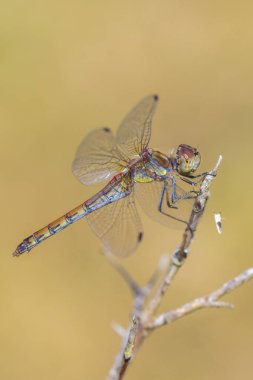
x: 160, y: 159
x: 154, y: 166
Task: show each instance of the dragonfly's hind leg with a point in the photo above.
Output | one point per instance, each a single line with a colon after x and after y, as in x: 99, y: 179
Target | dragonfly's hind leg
x: 169, y: 202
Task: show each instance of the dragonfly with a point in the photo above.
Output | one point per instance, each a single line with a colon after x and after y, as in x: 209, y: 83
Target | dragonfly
x: 133, y: 171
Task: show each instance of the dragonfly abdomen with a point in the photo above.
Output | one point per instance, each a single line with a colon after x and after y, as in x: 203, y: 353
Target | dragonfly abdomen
x: 51, y: 229
x: 107, y: 195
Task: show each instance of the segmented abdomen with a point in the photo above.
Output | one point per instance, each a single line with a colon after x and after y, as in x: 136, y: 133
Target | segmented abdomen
x: 110, y: 193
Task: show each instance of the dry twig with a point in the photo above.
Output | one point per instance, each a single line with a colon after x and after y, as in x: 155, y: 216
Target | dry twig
x: 143, y: 319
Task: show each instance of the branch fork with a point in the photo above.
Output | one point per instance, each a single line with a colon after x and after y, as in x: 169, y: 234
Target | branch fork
x: 144, y: 319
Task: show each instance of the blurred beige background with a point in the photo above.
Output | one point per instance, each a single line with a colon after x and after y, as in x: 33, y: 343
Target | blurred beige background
x: 65, y: 69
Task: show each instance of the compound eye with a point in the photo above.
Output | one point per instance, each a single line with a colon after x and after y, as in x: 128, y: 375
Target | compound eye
x: 186, y: 150
x: 188, y: 159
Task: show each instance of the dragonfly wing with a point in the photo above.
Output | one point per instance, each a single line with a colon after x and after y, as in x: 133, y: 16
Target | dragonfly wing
x: 148, y: 196
x: 118, y: 226
x: 97, y: 157
x: 134, y: 132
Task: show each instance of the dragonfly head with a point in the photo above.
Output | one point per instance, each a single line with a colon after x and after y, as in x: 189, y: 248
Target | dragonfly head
x: 187, y: 159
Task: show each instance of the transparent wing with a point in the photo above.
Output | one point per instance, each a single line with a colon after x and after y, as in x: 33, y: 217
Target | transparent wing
x: 148, y: 196
x: 97, y: 157
x: 134, y: 132
x: 118, y: 226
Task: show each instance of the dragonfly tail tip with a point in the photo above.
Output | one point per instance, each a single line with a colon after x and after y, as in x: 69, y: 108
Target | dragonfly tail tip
x: 16, y: 253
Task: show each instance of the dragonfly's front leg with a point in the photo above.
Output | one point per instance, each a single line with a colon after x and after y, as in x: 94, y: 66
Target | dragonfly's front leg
x: 201, y: 176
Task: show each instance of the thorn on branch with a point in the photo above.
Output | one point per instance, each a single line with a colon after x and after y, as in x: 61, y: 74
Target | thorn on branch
x: 220, y: 304
x: 119, y: 330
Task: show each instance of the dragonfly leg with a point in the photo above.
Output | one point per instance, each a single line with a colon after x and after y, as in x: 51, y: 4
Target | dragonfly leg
x: 202, y: 175
x: 187, y: 180
x: 175, y: 197
x: 193, y: 183
x: 169, y: 202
